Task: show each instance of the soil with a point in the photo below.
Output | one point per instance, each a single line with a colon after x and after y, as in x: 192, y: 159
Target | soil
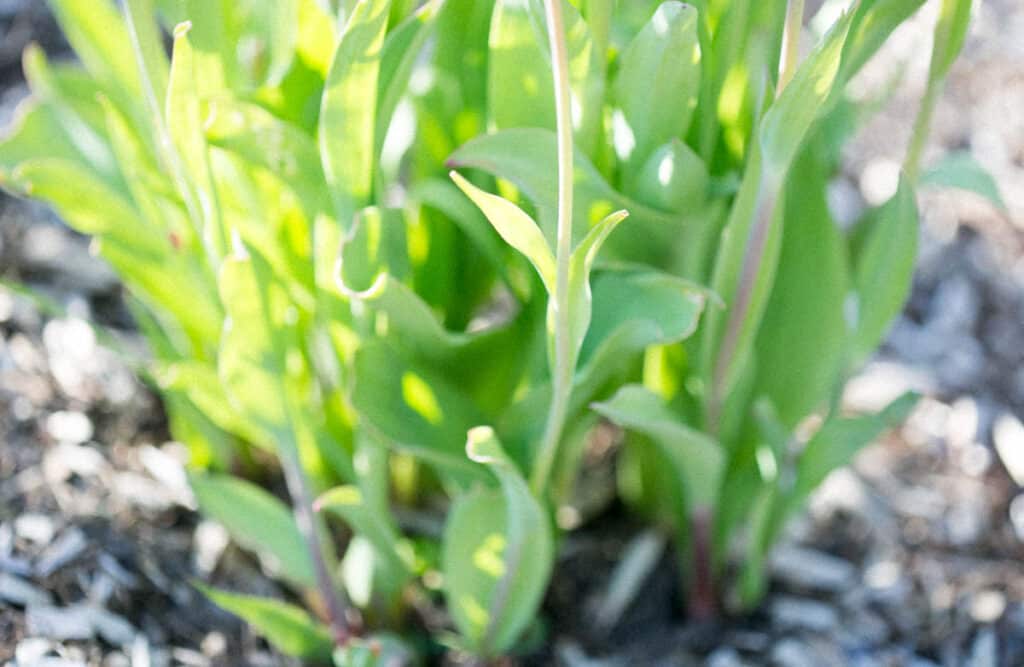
x: 913, y: 556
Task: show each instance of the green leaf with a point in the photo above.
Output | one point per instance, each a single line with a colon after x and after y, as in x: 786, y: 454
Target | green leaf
x: 789, y: 118
x: 100, y: 39
x: 199, y: 382
x: 803, y: 335
x: 444, y: 196
x: 185, y: 128
x: 36, y: 132
x: 873, y: 22
x: 961, y: 170
x: 256, y: 520
x: 402, y: 47
x: 290, y: 629
x: 416, y: 408
x: 88, y: 204
x: 75, y: 98
x: 526, y: 157
x: 348, y: 109
x: 268, y: 39
x: 657, y: 84
x: 516, y: 227
x: 839, y: 439
x: 265, y: 141
x: 487, y: 366
x: 348, y: 503
x: 632, y: 309
x: 580, y: 264
x: 252, y: 348
x: 375, y: 246
x: 885, y: 268
x: 673, y: 178
x: 147, y: 45
x: 698, y: 460
x: 520, y: 88
x: 950, y: 33
x: 498, y: 552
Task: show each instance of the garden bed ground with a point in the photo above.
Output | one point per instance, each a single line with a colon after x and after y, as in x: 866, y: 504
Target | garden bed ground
x: 915, y: 556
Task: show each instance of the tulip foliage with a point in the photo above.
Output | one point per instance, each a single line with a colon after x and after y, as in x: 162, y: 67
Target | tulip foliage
x: 414, y: 255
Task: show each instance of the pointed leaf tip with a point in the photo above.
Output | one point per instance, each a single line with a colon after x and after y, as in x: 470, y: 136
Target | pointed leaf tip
x: 482, y: 446
x: 514, y: 226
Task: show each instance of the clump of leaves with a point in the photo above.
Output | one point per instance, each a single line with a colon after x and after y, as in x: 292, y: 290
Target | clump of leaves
x: 318, y: 290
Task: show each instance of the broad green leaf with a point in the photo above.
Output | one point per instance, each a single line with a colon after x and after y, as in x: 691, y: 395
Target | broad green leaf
x: 263, y: 140
x: 98, y: 34
x: 632, y: 309
x: 75, y: 98
x: 520, y: 91
x: 672, y: 179
x: 836, y: 442
x: 198, y: 381
x: 375, y: 246
x: 88, y: 204
x: 316, y: 36
x: 290, y: 629
x: 165, y: 282
x: 415, y: 408
x: 251, y: 361
x: 803, y: 334
x: 160, y: 213
x: 462, y: 57
x: 256, y: 520
x: 516, y: 227
x: 527, y: 158
x: 698, y: 460
x: 36, y: 132
x: 885, y: 267
x: 961, y: 170
x: 488, y: 365
x: 657, y: 83
x: 498, y: 552
x: 349, y: 107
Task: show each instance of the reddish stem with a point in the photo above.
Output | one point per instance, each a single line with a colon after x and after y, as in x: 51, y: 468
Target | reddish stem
x: 703, y: 604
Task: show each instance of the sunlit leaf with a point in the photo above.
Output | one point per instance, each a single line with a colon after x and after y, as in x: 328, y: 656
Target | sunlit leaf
x: 498, y: 553
x: 290, y: 629
x: 256, y: 520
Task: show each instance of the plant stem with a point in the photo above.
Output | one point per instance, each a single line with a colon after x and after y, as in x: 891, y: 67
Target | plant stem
x: 922, y: 124
x: 702, y: 602
x: 309, y: 526
x: 563, y: 370
x: 790, y: 42
x: 313, y: 532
